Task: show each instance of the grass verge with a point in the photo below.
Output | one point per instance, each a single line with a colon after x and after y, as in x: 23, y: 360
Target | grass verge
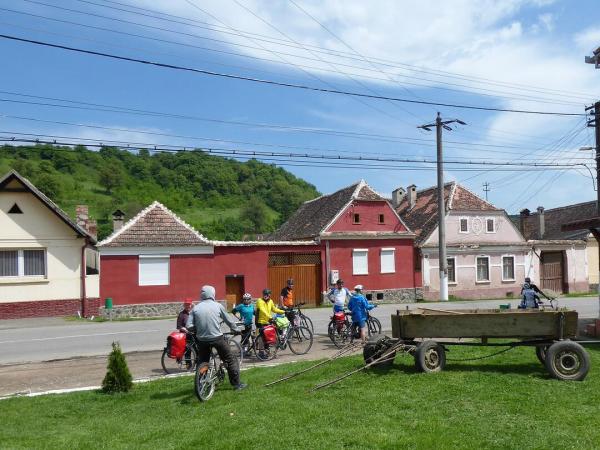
x: 507, y: 401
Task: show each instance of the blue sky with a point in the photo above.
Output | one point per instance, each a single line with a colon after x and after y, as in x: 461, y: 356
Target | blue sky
x: 508, y: 54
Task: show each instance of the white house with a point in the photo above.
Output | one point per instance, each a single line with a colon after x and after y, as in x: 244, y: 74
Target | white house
x: 43, y: 255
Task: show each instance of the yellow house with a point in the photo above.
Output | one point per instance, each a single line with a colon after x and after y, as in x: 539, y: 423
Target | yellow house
x: 43, y: 254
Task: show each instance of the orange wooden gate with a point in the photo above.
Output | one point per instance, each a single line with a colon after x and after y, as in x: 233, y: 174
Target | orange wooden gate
x: 303, y: 268
x: 552, y: 273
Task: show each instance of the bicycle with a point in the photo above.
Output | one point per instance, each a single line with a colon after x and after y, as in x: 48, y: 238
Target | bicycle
x: 208, y: 376
x: 302, y: 319
x: 187, y: 363
x: 297, y: 337
x: 341, y: 332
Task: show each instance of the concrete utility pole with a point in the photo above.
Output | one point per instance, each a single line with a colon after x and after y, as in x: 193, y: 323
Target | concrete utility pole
x: 443, y: 261
x: 486, y: 189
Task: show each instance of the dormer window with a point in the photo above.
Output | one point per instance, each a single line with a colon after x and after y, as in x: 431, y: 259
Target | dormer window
x: 355, y: 218
x: 381, y: 218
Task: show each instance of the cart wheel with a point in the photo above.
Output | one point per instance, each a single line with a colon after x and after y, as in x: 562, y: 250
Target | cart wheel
x: 540, y: 352
x: 567, y: 360
x: 430, y: 357
x: 376, y: 345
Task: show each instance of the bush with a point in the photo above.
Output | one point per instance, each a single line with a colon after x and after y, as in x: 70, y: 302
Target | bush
x: 118, y: 378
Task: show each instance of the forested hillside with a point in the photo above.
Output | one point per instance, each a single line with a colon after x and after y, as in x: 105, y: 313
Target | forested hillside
x: 220, y: 197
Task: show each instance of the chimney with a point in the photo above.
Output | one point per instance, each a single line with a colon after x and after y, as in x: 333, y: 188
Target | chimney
x: 523, y: 215
x: 397, y: 196
x: 118, y: 217
x: 541, y: 222
x: 412, y: 195
x: 81, y: 216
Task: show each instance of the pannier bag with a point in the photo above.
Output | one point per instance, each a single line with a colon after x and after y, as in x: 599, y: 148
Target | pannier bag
x: 339, y: 316
x: 176, y: 345
x: 282, y: 322
x: 270, y: 334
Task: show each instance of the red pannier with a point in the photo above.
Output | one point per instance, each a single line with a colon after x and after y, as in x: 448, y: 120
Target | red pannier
x: 176, y: 345
x: 269, y: 334
x: 339, y: 316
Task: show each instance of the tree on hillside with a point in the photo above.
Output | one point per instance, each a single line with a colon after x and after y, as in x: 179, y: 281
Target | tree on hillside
x: 256, y: 212
x: 111, y: 176
x: 49, y: 185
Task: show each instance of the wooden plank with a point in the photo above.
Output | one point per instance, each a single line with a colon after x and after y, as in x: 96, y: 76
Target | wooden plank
x: 484, y: 323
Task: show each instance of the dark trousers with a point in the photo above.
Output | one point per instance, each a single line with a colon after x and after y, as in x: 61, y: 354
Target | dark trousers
x: 222, y: 347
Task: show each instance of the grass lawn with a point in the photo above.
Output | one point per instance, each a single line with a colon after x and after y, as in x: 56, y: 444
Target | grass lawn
x: 507, y: 401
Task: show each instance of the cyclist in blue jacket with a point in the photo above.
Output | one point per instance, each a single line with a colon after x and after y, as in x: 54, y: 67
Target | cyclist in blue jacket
x: 246, y: 312
x: 359, y: 306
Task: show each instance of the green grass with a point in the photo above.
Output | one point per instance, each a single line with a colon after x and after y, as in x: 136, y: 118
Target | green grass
x: 507, y: 401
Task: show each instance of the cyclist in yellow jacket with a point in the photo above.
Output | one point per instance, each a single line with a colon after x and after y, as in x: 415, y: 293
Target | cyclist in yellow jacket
x: 265, y: 307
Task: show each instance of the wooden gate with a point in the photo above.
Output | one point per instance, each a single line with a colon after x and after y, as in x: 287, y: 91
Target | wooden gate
x: 303, y: 268
x: 234, y: 289
x: 552, y: 273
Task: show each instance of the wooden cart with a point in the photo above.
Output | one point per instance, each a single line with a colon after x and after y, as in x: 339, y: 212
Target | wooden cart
x: 425, y: 333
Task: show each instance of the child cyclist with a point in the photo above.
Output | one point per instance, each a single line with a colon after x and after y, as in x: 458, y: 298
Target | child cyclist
x: 246, y: 314
x: 359, y: 306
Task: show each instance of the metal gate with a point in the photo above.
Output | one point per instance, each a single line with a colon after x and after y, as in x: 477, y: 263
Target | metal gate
x: 552, y: 273
x: 303, y: 268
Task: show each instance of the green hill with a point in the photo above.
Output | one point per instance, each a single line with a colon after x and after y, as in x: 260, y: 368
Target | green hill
x: 222, y: 198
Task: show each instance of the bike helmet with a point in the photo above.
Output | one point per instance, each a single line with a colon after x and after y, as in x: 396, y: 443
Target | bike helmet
x: 358, y: 287
x: 246, y: 298
x: 266, y: 292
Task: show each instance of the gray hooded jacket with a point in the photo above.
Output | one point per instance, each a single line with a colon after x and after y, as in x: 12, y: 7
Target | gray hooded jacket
x: 208, y: 315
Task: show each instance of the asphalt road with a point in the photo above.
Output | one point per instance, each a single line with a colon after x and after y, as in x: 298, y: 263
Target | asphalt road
x: 35, y: 340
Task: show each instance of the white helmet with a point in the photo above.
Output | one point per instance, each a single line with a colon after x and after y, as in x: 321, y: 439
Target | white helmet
x: 358, y: 287
x: 246, y: 297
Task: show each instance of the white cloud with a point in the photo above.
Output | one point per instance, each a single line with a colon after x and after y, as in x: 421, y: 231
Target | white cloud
x: 588, y: 39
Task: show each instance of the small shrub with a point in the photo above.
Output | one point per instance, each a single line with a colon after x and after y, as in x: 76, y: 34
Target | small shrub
x: 118, y: 378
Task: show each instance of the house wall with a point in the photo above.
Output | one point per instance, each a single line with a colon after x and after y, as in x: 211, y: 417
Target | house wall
x: 576, y: 262
x: 36, y: 228
x: 466, y: 285
x: 369, y: 212
x: 592, y: 262
x: 188, y: 273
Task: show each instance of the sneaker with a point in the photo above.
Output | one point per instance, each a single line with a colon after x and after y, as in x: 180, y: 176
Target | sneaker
x: 240, y: 386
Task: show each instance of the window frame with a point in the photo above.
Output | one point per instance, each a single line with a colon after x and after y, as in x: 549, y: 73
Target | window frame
x: 355, y: 253
x: 21, y: 263
x: 460, y: 219
x: 453, y: 258
x: 393, y: 261
x: 493, y: 219
x: 154, y: 257
x: 356, y: 218
x: 513, y: 267
x: 487, y: 258
x: 381, y: 219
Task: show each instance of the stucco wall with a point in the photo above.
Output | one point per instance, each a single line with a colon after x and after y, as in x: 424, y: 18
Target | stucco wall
x: 369, y: 218
x: 38, y: 227
x: 592, y: 260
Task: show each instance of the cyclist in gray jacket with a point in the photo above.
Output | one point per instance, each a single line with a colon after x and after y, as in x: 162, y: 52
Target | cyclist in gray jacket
x: 206, y: 317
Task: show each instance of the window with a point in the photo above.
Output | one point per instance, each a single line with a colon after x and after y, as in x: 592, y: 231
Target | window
x: 388, y: 262
x: 508, y: 268
x: 381, y: 218
x: 451, y: 270
x: 464, y: 225
x: 154, y: 270
x: 23, y: 263
x: 483, y: 268
x: 15, y: 209
x: 360, y: 262
x: 355, y: 218
x: 490, y: 226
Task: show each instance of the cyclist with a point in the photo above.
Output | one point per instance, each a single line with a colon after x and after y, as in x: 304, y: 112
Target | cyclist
x: 338, y: 296
x: 207, y: 317
x: 359, y: 306
x: 265, y: 307
x: 536, y: 289
x: 183, y: 315
x: 246, y: 312
x: 286, y: 299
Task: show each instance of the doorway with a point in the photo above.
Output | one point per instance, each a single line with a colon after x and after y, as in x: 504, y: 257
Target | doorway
x: 234, y: 289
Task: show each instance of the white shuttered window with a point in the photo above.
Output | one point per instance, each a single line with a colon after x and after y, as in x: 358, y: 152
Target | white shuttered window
x: 388, y: 263
x: 23, y: 263
x: 360, y: 262
x: 154, y: 270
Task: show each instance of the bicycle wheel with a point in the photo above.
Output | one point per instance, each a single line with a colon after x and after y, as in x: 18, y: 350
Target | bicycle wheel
x: 262, y: 351
x: 236, y: 350
x: 373, y: 326
x: 204, y: 381
x: 179, y: 365
x: 300, y: 340
x: 331, y: 329
x: 342, y: 335
x: 306, y: 322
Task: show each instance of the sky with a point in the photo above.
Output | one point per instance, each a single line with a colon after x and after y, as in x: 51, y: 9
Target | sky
x: 510, y: 54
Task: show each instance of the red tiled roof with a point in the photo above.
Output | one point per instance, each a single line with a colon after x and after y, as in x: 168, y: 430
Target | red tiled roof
x: 554, y: 218
x: 155, y: 226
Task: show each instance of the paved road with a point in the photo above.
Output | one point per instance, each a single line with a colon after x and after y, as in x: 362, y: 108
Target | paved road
x: 35, y: 340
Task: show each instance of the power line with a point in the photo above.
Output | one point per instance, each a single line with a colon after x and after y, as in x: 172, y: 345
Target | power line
x: 276, y: 83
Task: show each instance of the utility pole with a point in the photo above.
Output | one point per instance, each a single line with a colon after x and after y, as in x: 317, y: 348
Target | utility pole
x: 486, y: 189
x: 440, y: 124
x: 595, y: 123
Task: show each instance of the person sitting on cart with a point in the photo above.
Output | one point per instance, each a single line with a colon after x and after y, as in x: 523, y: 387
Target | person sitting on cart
x: 529, y: 298
x: 182, y: 318
x: 286, y: 299
x: 358, y: 306
x: 246, y: 312
x: 265, y: 307
x: 207, y: 317
x: 338, y: 296
x: 534, y: 287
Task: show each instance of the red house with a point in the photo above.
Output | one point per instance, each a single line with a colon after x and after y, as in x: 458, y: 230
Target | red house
x: 156, y: 258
